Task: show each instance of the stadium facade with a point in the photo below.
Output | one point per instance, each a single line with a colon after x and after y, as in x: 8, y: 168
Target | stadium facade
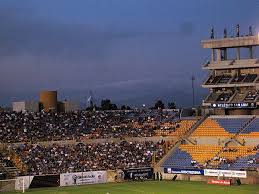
x: 233, y: 80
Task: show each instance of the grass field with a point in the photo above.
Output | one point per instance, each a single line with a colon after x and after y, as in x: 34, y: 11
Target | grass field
x: 163, y: 187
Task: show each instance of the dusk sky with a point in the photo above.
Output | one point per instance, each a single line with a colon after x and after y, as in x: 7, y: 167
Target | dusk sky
x: 132, y: 51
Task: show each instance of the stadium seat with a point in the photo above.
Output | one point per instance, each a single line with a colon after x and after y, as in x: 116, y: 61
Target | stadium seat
x: 176, y: 129
x: 220, y: 127
x: 252, y: 130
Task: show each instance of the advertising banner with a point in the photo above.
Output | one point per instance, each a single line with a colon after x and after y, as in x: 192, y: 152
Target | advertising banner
x: 225, y: 173
x: 138, y: 173
x: 234, y: 105
x: 219, y: 182
x: 82, y: 178
x: 183, y: 171
x: 19, y: 182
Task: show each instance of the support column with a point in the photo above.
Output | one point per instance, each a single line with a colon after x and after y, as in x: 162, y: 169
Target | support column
x: 251, y: 52
x: 238, y: 53
x: 212, y: 56
x: 225, y: 54
x: 218, y: 55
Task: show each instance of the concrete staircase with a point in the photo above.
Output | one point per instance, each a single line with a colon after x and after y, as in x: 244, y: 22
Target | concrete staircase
x: 17, y: 166
x: 11, y: 172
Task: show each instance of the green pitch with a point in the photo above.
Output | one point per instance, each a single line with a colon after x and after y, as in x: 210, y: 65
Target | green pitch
x: 164, y: 187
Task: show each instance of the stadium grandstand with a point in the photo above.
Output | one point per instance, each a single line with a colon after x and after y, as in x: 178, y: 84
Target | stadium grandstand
x: 220, y: 146
x: 233, y: 77
x: 227, y: 138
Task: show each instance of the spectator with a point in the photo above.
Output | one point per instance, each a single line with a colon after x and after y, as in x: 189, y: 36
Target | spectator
x: 86, y: 157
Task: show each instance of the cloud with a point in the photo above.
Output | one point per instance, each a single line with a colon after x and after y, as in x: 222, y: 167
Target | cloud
x: 32, y: 45
x: 124, y: 83
x: 43, y: 54
x: 23, y: 33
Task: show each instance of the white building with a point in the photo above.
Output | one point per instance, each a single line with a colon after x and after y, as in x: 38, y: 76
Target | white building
x: 25, y: 106
x: 70, y: 106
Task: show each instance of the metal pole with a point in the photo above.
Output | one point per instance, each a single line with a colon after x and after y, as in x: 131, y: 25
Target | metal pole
x: 193, y: 100
x: 23, y: 186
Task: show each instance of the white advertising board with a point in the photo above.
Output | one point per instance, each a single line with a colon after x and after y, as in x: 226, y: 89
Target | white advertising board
x: 225, y: 173
x: 19, y: 182
x: 81, y: 178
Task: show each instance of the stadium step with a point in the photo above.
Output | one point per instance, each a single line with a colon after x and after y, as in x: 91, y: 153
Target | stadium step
x: 193, y: 128
x: 169, y: 153
x: 234, y: 138
x: 10, y: 171
x: 179, y: 142
x: 233, y: 96
x: 247, y: 124
x: 19, y: 165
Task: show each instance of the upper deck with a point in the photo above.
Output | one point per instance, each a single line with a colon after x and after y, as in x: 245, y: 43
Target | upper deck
x: 243, y: 41
x: 232, y: 64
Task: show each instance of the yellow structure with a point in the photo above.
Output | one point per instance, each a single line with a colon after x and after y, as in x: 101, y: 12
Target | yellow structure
x: 48, y: 100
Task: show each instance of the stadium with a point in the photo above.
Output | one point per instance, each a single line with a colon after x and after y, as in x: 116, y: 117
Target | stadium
x: 142, y: 150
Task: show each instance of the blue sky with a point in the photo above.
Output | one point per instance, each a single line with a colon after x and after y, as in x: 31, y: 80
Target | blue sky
x: 121, y: 49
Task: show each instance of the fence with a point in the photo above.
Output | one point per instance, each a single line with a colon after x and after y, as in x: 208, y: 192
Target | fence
x: 7, y: 185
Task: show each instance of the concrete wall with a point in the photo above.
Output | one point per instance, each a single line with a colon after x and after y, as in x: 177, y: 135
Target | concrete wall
x: 239, y: 112
x: 252, y: 178
x: 251, y: 141
x: 222, y: 140
x: 207, y: 140
x: 255, y: 112
x: 219, y: 111
x: 89, y: 141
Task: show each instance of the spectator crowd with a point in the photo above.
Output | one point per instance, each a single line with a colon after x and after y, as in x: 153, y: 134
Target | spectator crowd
x: 85, y: 157
x: 42, y: 126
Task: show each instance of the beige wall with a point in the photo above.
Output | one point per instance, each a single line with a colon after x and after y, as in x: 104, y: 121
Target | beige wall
x: 239, y: 112
x: 252, y: 178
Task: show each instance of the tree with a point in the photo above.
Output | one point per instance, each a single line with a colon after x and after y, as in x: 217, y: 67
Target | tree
x: 92, y: 108
x: 159, y: 105
x: 123, y: 107
x: 171, y: 105
x: 107, y: 105
x: 113, y: 107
